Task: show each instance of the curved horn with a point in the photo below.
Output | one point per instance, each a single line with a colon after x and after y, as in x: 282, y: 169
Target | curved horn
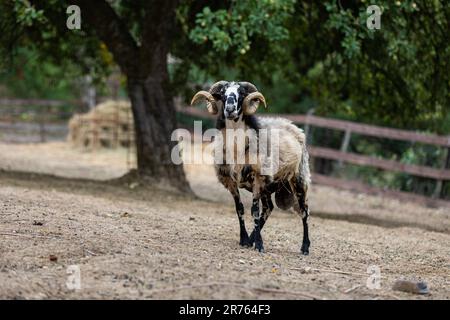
x: 210, y: 101
x: 251, y: 102
x: 216, y: 87
x: 250, y: 87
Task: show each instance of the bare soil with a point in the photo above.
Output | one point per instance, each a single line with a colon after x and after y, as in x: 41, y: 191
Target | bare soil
x: 135, y: 241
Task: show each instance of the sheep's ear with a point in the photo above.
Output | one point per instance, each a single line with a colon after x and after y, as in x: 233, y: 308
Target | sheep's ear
x: 217, y: 96
x: 218, y: 88
x: 247, y: 86
x: 243, y: 91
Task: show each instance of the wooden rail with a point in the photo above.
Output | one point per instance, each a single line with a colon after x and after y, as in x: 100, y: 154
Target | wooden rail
x: 420, y: 171
x: 361, y: 187
x: 35, y: 102
x: 370, y: 130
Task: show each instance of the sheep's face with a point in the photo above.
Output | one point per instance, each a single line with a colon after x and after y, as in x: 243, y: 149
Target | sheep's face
x: 232, y: 97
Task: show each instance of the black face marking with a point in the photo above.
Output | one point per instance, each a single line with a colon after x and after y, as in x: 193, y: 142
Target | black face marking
x: 232, y: 96
x: 232, y: 100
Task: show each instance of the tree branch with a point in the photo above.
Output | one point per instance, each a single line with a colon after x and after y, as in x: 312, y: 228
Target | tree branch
x: 157, y: 29
x: 108, y: 26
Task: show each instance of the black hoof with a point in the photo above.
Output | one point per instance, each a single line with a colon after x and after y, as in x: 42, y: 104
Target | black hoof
x: 305, y: 249
x: 259, y: 246
x: 245, y: 242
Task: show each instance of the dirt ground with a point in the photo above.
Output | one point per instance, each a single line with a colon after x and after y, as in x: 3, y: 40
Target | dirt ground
x: 135, y: 241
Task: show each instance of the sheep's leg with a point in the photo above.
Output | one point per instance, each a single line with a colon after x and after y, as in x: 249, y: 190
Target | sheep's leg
x: 267, y: 207
x: 256, y: 214
x: 243, y: 235
x: 257, y: 229
x: 301, y: 190
x: 231, y: 186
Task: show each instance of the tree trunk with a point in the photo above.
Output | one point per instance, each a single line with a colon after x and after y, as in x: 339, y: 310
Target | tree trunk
x: 145, y: 66
x: 151, y: 98
x: 154, y: 119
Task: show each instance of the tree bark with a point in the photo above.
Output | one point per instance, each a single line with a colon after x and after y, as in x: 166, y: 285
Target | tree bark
x: 154, y: 119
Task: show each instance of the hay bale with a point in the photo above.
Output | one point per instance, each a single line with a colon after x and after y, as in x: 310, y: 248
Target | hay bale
x: 108, y: 125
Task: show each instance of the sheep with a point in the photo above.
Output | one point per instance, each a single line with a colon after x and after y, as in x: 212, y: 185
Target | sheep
x: 235, y: 103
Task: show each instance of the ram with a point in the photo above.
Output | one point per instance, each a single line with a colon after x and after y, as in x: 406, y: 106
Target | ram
x: 235, y: 104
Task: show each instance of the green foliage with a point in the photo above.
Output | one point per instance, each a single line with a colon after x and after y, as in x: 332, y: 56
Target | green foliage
x: 27, y: 15
x: 303, y: 54
x: 233, y: 28
x: 398, y: 76
x: 33, y: 77
x: 401, y: 72
x: 24, y: 26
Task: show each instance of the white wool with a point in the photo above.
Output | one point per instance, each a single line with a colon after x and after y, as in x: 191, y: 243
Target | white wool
x: 293, y: 157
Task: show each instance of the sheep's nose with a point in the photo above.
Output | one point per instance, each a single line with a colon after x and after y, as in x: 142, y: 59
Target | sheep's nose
x: 230, y: 100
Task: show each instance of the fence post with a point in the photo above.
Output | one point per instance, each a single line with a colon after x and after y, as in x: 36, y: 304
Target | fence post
x: 115, y: 129
x: 41, y: 118
x: 439, y: 183
x: 307, y: 127
x: 95, y: 140
x: 345, y: 143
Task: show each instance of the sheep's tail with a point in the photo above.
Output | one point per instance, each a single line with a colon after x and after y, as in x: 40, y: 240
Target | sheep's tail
x: 284, y: 196
x: 304, y: 172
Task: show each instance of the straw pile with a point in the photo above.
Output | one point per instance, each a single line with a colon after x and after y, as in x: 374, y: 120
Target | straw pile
x: 108, y: 125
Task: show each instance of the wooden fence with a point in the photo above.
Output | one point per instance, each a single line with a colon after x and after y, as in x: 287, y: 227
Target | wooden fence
x: 440, y: 175
x: 42, y: 122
